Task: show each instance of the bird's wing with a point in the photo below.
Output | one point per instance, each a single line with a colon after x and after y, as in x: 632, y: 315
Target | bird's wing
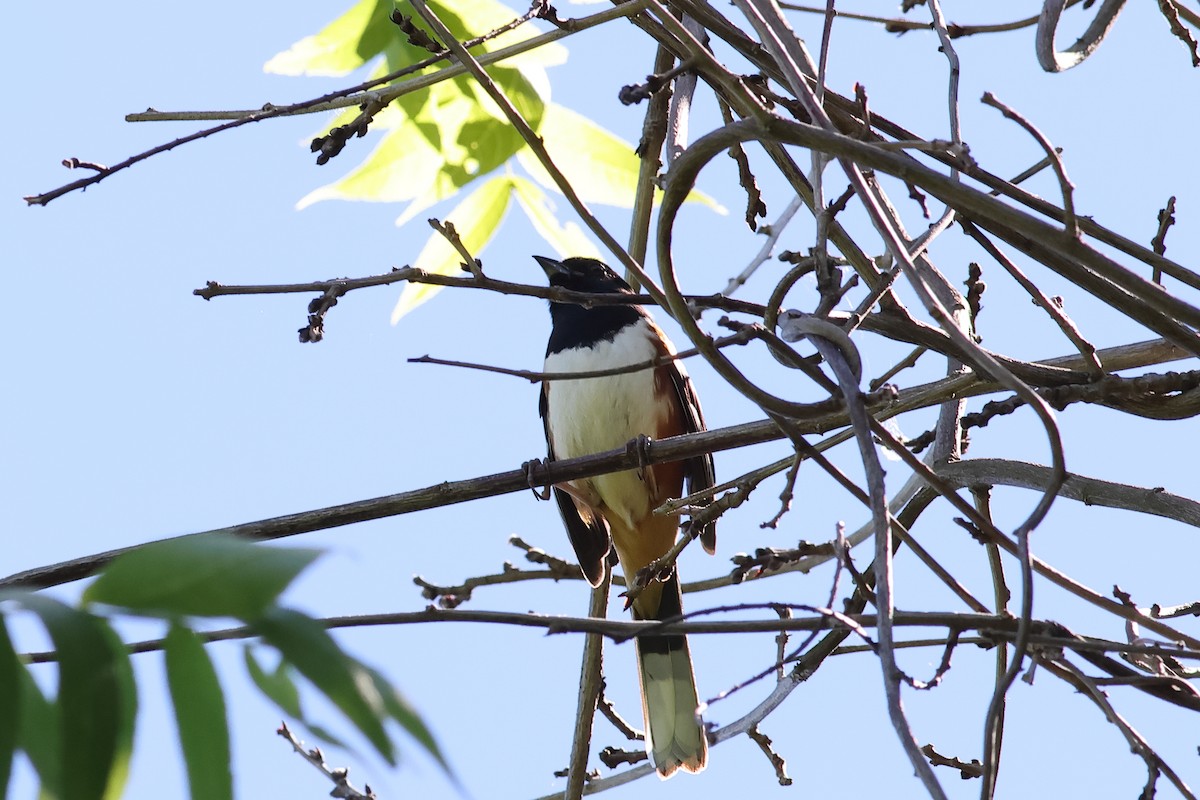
x: 585, y: 528
x: 698, y: 470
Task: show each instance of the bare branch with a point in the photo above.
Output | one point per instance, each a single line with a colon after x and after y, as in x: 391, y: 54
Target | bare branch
x: 1053, y: 309
x: 1166, y: 218
x: 1068, y: 189
x: 1172, y: 10
x: 900, y: 25
x: 764, y: 743
x: 1091, y: 491
x: 340, y: 776
x: 342, y: 98
x: 972, y: 770
x: 1053, y: 60
x: 591, y: 684
x: 1155, y: 765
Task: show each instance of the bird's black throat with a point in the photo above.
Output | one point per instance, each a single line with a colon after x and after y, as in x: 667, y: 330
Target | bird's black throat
x: 575, y: 326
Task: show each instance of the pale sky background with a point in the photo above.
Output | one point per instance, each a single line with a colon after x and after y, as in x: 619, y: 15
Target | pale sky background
x: 134, y: 410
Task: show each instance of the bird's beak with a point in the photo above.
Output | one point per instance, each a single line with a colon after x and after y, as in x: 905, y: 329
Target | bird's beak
x: 551, y: 266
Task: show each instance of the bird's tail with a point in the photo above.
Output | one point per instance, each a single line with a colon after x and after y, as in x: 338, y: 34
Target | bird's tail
x: 675, y: 736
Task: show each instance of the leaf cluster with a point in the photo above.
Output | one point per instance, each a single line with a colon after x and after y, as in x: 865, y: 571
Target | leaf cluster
x: 80, y: 738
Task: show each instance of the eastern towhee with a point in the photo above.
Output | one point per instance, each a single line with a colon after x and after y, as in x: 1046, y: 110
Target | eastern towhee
x: 590, y: 415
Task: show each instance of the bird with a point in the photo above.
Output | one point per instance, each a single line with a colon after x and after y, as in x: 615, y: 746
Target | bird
x: 614, y: 512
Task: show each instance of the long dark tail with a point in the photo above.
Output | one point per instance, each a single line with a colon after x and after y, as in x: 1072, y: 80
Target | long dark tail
x: 675, y: 735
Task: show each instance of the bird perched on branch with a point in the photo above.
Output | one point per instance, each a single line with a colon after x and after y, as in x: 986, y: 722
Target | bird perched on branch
x: 615, y: 511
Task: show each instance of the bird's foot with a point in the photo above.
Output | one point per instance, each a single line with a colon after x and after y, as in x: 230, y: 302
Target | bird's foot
x: 540, y: 491
x: 640, y: 447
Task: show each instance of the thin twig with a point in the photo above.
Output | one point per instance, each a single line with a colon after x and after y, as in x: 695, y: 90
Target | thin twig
x: 1166, y: 218
x: 900, y: 25
x: 1045, y: 633
x: 777, y: 763
x: 339, y: 776
x: 966, y: 770
x: 1053, y: 309
x: 909, y: 360
x: 1071, y: 225
x: 469, y: 262
x: 772, y: 233
x: 534, y: 376
x: 341, y: 98
x: 1137, y: 743
x: 1172, y: 10
x: 606, y: 707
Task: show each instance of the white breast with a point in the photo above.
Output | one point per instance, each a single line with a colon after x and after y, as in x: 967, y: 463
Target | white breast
x: 595, y: 414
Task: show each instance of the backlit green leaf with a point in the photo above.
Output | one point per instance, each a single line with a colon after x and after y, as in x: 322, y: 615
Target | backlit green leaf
x: 599, y: 165
x: 435, y: 142
x: 342, y: 46
x: 209, y: 576
x: 403, y: 166
x: 468, y: 19
x: 438, y: 139
x: 476, y: 219
x: 200, y: 715
x: 566, y: 238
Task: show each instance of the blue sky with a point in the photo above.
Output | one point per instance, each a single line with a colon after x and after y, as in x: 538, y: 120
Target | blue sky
x: 135, y: 410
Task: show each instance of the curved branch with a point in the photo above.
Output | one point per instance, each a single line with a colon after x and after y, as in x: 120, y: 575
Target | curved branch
x: 1090, y: 491
x: 1053, y: 60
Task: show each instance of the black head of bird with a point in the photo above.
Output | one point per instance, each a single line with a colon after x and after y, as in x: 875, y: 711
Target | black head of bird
x: 582, y: 275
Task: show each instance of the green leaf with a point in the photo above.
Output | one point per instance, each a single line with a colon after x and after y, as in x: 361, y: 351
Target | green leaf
x: 567, y: 238
x: 436, y: 141
x: 41, y: 735
x: 399, y: 709
x: 200, y: 714
x: 127, y: 711
x: 468, y: 19
x: 308, y: 646
x: 469, y: 133
x: 325, y: 735
x: 439, y: 139
x: 366, y: 30
x: 599, y: 165
x: 404, y: 166
x: 278, y: 686
x: 476, y: 218
x: 89, y: 698
x: 10, y: 705
x: 486, y: 135
x: 210, y: 575
x: 342, y: 46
